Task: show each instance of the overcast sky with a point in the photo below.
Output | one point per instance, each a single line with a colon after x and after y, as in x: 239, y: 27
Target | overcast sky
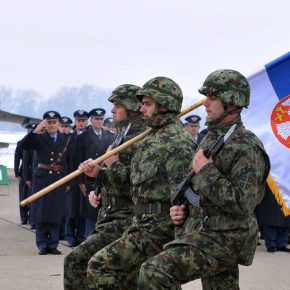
x: 45, y: 45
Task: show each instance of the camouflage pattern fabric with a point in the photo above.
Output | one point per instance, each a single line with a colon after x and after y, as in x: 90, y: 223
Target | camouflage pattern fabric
x: 228, y: 85
x: 158, y: 165
x: 75, y: 263
x: 164, y: 91
x: 112, y: 221
x: 125, y: 95
x: 229, y: 189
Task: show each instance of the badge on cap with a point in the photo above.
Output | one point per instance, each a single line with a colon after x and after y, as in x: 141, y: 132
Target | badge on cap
x: 193, y: 119
x: 51, y: 114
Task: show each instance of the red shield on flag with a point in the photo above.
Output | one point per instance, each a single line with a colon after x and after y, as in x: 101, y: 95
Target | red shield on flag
x: 280, y: 121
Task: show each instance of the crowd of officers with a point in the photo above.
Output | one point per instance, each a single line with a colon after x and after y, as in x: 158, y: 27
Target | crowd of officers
x: 49, y: 151
x: 119, y: 217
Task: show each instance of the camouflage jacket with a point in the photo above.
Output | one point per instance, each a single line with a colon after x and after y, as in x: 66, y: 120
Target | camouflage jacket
x: 157, y: 167
x: 229, y: 189
x: 115, y: 181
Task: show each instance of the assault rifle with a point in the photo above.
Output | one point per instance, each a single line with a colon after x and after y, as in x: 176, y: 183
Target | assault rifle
x: 120, y: 138
x: 185, y: 192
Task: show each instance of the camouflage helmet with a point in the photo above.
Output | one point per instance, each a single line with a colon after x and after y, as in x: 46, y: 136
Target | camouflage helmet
x: 230, y: 86
x: 125, y: 95
x: 164, y: 91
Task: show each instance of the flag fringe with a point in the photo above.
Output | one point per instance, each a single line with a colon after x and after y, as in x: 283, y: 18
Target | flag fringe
x: 278, y: 195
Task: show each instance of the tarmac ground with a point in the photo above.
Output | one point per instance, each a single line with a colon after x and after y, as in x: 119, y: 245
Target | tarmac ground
x: 21, y: 268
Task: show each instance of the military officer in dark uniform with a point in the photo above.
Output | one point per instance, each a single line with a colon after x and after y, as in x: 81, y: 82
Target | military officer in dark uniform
x: 192, y: 126
x: 65, y: 128
x: 23, y: 189
x: 81, y: 121
x: 92, y: 144
x: 54, y: 154
x: 275, y: 225
x: 75, y: 221
x: 29, y: 163
x: 65, y: 125
x: 109, y: 124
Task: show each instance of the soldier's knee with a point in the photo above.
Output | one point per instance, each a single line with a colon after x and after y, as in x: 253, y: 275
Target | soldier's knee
x: 95, y: 263
x: 145, y: 270
x: 72, y: 259
x: 67, y: 260
x: 151, y: 274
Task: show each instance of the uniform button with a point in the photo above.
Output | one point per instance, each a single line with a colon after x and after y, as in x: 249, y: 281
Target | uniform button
x: 51, y: 159
x: 50, y: 172
x: 97, y: 154
x: 143, y: 216
x: 59, y: 154
x: 51, y: 153
x: 58, y: 172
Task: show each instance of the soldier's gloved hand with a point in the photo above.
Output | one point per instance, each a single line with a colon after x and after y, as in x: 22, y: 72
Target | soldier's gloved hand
x: 109, y: 161
x: 94, y: 200
x: 178, y: 214
x: 199, y: 161
x: 90, y: 168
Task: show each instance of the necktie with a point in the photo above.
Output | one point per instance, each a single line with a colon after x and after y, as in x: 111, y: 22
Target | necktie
x: 53, y: 139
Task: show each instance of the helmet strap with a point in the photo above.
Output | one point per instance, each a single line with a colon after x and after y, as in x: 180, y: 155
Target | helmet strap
x: 226, y: 113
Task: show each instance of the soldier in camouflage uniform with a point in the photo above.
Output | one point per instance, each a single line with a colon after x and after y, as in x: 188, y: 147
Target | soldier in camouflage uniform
x: 116, y: 213
x: 157, y: 167
x: 221, y: 233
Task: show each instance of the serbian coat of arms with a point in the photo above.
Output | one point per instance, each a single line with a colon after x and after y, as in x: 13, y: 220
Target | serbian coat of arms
x: 280, y: 121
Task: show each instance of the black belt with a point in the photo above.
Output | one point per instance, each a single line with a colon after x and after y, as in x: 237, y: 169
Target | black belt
x: 54, y: 168
x: 152, y: 208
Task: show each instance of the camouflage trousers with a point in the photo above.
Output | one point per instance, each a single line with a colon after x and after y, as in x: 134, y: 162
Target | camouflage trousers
x: 117, y: 265
x: 76, y: 263
x: 183, y: 263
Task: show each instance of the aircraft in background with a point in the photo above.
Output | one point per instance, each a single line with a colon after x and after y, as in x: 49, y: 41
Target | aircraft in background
x: 4, y: 145
x: 24, y: 121
x: 18, y: 119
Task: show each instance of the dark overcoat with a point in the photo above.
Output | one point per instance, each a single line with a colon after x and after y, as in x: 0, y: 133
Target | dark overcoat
x: 88, y: 145
x: 75, y: 200
x: 269, y: 212
x: 50, y: 208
